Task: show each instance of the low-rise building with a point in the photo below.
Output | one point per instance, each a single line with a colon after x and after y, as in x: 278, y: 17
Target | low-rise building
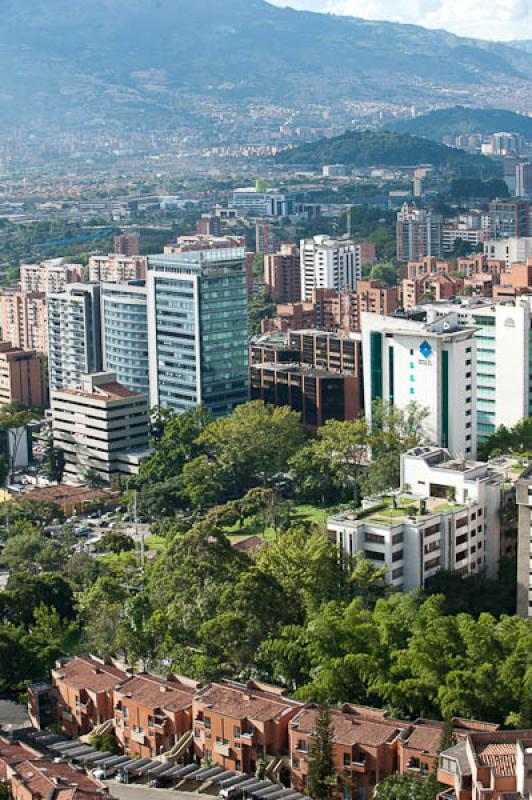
x: 40, y: 778
x: 153, y: 715
x: 238, y: 725
x: 82, y: 693
x: 495, y: 765
x: 100, y: 426
x: 447, y: 517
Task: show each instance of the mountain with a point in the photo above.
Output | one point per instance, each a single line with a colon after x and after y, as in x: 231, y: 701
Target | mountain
x: 459, y: 120
x: 386, y: 149
x: 522, y: 44
x: 72, y: 62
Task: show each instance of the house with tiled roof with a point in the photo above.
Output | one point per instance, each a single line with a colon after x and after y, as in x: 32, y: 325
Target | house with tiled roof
x: 236, y: 725
x: 153, y: 714
x: 365, y: 748
x: 45, y: 780
x: 82, y: 693
x: 12, y: 753
x: 494, y: 765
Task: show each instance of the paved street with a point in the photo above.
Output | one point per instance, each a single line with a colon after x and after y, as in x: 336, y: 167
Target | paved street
x: 133, y: 791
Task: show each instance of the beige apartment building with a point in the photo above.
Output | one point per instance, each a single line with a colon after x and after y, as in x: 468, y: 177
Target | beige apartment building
x: 50, y: 276
x: 23, y: 319
x: 100, y: 426
x: 21, y: 376
x: 117, y: 267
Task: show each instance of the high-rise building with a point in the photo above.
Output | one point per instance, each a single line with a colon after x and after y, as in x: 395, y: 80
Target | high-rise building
x: 432, y: 365
x: 265, y: 241
x: 116, y: 267
x: 328, y: 264
x: 523, y: 180
x: 50, y: 276
x: 209, y: 225
x: 509, y: 218
x: 198, y: 330
x: 100, y: 426
x: 124, y: 314
x: 503, y: 375
x: 21, y: 376
x: 510, y: 251
x: 127, y: 244
x: 74, y: 340
x: 23, y: 319
x: 419, y: 234
x: 282, y: 275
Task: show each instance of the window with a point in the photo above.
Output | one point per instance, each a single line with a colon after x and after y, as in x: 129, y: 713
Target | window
x: 236, y: 731
x: 207, y: 721
x: 347, y: 759
x: 295, y: 764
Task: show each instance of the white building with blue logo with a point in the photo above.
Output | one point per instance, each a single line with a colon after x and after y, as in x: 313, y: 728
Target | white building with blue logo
x: 432, y: 365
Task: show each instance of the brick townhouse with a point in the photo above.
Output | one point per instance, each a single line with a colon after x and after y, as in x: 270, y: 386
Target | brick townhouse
x: 238, y: 725
x: 12, y: 753
x: 365, y: 748
x: 151, y: 714
x: 488, y: 766
x: 82, y: 692
x: 40, y: 779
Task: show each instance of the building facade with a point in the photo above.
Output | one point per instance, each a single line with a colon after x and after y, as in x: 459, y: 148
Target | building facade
x: 23, y: 319
x: 124, y: 315
x: 116, y: 267
x: 101, y: 427
x: 74, y: 334
x: 328, y: 264
x: 282, y: 275
x: 198, y: 330
x: 419, y: 234
x: 50, y: 276
x: 509, y: 219
x: 22, y: 377
x: 431, y: 365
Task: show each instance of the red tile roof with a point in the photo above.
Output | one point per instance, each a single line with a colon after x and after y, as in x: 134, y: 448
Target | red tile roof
x: 86, y: 672
x: 155, y: 693
x: 350, y: 729
x: 50, y: 781
x: 500, y: 757
x: 246, y: 701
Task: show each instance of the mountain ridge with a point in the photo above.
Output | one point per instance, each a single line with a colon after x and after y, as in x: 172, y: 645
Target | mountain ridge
x: 127, y: 59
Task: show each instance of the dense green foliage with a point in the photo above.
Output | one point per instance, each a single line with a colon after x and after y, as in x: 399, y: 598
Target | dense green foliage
x: 463, y: 189
x: 387, y: 149
x: 321, y: 758
x: 509, y: 440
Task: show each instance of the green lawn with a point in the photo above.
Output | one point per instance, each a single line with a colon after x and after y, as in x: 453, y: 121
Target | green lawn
x: 253, y: 525
x: 156, y: 543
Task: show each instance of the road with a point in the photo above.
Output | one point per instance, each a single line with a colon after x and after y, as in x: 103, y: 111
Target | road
x: 134, y: 791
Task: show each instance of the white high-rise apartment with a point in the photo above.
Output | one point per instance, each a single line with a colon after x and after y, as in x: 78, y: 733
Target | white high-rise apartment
x: 431, y: 365
x: 74, y: 338
x: 329, y: 264
x: 515, y: 250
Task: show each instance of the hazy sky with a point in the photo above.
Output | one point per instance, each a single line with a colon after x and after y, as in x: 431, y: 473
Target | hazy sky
x: 498, y: 19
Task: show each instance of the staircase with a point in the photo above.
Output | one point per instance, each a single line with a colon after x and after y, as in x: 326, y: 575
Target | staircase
x: 179, y: 747
x: 105, y: 727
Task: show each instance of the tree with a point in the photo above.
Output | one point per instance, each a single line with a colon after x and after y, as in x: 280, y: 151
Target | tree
x: 260, y: 307
x: 93, y: 478
x: 368, y: 582
x: 25, y: 592
x: 321, y: 760
x: 401, y: 787
x: 23, y: 551
x: 393, y: 432
x: 250, y: 448
x: 4, y: 470
x: 54, y: 462
x: 384, y: 272
x: 115, y: 542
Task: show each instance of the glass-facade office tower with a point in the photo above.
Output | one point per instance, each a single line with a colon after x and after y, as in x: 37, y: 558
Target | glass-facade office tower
x: 125, y: 333
x: 74, y: 341
x: 198, y: 330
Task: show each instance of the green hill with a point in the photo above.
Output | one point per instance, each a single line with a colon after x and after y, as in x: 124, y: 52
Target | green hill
x: 460, y: 120
x: 387, y: 149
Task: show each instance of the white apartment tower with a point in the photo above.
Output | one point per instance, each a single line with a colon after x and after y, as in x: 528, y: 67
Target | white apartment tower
x: 431, y: 365
x: 329, y: 264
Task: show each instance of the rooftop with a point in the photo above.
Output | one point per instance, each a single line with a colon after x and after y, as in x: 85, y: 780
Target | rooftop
x: 350, y: 726
x: 252, y: 701
x: 47, y: 780
x: 152, y: 692
x: 90, y: 673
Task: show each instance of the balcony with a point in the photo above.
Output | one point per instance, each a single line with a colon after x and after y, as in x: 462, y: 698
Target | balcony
x: 247, y: 738
x: 222, y: 749
x: 137, y: 736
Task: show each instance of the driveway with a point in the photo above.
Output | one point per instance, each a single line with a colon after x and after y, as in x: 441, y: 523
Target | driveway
x: 133, y: 791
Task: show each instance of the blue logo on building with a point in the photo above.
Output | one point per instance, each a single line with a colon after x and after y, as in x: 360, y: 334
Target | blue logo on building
x: 425, y: 349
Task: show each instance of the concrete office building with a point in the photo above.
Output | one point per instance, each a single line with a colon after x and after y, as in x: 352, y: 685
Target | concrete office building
x: 116, y: 267
x: 270, y: 203
x: 329, y: 264
x: 432, y: 365
x: 124, y: 314
x: 23, y: 319
x: 100, y: 426
x: 74, y: 339
x: 198, y: 330
x: 503, y: 333
x: 445, y: 517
